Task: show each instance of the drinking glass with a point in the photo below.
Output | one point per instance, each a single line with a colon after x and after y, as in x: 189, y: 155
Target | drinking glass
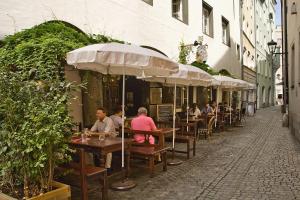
x: 101, y: 137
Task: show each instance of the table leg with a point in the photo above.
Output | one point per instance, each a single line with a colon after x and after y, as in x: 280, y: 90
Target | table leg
x: 127, y: 158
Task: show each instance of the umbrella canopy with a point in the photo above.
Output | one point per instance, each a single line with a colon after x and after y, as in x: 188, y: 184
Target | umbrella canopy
x: 244, y: 84
x: 112, y: 58
x: 121, y: 59
x: 186, y: 75
x: 230, y: 83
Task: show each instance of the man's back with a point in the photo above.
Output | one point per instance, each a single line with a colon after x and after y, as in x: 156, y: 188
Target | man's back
x: 143, y: 123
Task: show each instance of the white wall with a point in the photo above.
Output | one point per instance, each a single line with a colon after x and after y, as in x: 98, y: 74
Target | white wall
x: 133, y: 21
x: 293, y: 34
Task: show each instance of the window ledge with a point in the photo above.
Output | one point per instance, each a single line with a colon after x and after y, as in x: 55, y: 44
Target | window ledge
x: 186, y: 23
x: 211, y: 36
x: 226, y: 44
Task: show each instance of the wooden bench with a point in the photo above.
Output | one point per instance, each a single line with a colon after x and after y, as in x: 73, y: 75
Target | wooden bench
x: 79, y: 170
x: 187, y: 134
x: 150, y: 152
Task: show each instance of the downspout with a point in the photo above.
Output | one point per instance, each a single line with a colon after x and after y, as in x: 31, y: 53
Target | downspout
x: 241, y: 40
x: 286, y: 83
x: 255, y: 57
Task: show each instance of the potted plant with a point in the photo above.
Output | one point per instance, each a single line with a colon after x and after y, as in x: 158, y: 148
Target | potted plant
x: 34, y: 118
x: 35, y: 124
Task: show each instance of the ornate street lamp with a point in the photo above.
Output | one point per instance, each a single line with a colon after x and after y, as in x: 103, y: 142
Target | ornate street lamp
x: 272, y: 46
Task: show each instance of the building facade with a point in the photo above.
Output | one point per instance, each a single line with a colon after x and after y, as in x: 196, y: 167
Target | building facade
x: 162, y: 25
x: 265, y: 26
x: 248, y: 45
x: 278, y: 74
x: 159, y: 24
x: 291, y: 62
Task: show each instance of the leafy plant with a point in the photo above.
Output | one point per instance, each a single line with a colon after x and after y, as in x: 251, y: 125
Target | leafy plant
x: 183, y: 53
x: 34, y: 121
x: 205, y: 67
x: 224, y: 72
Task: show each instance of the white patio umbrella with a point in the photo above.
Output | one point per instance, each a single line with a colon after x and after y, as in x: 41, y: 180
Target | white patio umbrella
x: 187, y: 76
x: 231, y: 84
x: 121, y: 59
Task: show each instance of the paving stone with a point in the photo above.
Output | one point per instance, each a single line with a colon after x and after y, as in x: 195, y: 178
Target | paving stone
x: 258, y: 161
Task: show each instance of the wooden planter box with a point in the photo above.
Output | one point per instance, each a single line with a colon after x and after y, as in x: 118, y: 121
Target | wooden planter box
x: 63, y: 192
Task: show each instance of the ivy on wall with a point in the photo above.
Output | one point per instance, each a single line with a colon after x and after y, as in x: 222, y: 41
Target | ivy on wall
x: 34, y: 118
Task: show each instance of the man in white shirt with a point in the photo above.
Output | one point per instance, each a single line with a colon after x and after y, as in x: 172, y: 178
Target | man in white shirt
x: 106, y: 125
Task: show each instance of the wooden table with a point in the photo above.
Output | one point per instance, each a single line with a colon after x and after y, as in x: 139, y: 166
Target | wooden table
x: 108, y: 145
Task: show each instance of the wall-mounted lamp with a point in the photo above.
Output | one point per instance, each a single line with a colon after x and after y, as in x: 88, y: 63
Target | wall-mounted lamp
x: 294, y: 9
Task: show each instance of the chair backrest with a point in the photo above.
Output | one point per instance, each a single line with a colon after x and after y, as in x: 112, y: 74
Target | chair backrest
x: 147, y: 134
x: 188, y: 128
x: 211, y: 122
x: 81, y: 153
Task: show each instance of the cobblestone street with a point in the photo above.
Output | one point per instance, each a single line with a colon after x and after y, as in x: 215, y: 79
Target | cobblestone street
x: 258, y: 161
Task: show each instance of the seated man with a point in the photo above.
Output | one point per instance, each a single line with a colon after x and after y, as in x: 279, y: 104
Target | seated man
x: 117, y: 117
x: 106, y: 125
x: 207, y: 109
x: 143, y: 123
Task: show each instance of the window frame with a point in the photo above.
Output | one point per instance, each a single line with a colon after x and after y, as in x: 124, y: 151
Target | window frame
x: 225, y: 22
x: 209, y: 9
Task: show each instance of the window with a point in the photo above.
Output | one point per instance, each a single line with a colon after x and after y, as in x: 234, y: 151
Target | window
x: 225, y: 32
x: 150, y: 2
x: 180, y: 10
x: 293, y: 67
x: 207, y: 19
x: 238, y: 51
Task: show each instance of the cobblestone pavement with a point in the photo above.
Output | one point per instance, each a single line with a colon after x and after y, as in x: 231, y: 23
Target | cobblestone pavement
x: 258, y: 161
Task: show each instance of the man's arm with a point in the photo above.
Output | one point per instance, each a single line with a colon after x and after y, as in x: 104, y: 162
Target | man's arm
x: 152, y: 124
x: 110, y: 128
x: 94, y: 128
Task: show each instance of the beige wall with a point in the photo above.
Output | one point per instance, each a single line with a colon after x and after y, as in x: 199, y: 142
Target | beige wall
x: 134, y: 21
x: 75, y: 105
x: 293, y: 32
x: 248, y: 34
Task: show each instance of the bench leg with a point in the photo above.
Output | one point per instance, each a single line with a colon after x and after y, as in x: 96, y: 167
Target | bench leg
x: 151, y: 166
x: 164, y: 157
x: 188, y: 149
x: 194, y: 146
x: 84, y: 192
x: 104, y: 186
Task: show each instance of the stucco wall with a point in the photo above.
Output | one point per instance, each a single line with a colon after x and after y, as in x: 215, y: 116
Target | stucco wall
x: 133, y: 21
x: 293, y: 33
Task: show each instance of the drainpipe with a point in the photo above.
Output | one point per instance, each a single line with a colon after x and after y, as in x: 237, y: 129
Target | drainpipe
x: 255, y: 58
x: 241, y: 40
x: 285, y: 45
x: 241, y: 46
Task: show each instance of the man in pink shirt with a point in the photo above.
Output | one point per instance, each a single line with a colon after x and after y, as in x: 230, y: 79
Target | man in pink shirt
x: 143, y: 123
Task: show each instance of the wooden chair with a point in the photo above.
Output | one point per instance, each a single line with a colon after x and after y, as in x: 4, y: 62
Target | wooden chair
x: 187, y: 134
x: 220, y: 121
x: 207, y: 131
x: 79, y: 170
x: 149, y: 152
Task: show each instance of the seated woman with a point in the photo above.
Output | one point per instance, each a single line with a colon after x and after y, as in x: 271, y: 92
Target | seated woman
x: 195, y: 110
x: 143, y: 123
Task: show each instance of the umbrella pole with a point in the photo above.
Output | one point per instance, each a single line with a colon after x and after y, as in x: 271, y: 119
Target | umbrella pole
x: 173, y: 161
x: 217, y: 102
x: 187, y: 107
x: 230, y: 106
x: 174, y: 118
x: 126, y: 183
